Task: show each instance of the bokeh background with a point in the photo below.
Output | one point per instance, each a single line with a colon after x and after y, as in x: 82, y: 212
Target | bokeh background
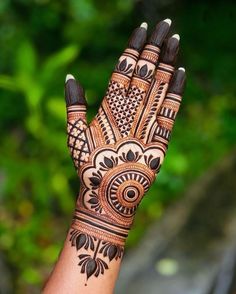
x: 43, y: 40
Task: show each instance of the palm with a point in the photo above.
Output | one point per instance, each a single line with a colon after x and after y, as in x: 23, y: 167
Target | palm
x: 118, y: 155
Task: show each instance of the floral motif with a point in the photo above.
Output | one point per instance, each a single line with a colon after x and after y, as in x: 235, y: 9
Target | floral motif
x: 91, y: 264
x: 143, y: 72
x: 124, y: 67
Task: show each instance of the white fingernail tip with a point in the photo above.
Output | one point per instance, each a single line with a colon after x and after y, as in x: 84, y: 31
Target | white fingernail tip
x: 144, y: 25
x: 181, y: 68
x: 69, y: 77
x: 176, y: 36
x: 167, y: 20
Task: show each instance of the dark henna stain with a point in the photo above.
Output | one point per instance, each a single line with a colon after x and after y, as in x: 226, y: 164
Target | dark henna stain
x: 74, y: 93
x: 138, y: 39
x: 177, y: 83
x: 170, y: 51
x: 159, y: 34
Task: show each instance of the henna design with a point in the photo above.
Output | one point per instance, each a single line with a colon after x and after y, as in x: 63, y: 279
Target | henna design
x: 77, y: 139
x: 119, y: 154
x: 92, y: 264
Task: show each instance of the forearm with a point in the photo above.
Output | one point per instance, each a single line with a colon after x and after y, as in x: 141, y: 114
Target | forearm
x: 79, y: 271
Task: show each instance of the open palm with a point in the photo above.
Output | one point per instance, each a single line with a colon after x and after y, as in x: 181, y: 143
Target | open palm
x: 119, y: 153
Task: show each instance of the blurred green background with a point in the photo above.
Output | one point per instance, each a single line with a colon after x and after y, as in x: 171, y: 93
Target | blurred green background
x: 43, y: 40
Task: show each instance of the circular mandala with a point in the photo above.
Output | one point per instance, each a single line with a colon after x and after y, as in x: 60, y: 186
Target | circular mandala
x: 122, y: 188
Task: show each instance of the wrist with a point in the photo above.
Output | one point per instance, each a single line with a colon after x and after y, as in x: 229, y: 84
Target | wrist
x: 99, y: 226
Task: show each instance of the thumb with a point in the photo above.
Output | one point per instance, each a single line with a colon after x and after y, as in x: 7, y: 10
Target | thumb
x: 75, y: 100
x: 76, y: 121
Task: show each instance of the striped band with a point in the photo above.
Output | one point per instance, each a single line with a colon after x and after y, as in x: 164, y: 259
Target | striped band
x: 99, y: 227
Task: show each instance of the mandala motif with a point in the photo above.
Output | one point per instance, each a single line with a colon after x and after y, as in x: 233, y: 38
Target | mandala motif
x: 117, y: 178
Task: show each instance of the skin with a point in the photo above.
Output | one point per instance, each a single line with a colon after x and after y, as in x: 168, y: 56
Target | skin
x: 66, y: 276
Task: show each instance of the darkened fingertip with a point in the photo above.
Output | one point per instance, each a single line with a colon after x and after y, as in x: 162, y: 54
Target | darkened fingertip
x: 170, y: 50
x: 178, y: 81
x: 74, y: 93
x: 160, y: 33
x: 138, y: 38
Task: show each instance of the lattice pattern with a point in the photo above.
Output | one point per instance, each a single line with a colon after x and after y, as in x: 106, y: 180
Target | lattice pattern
x: 77, y: 142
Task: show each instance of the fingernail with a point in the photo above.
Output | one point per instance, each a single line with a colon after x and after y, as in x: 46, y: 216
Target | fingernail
x: 69, y: 77
x: 176, y: 36
x: 144, y: 25
x: 181, y: 68
x: 168, y: 20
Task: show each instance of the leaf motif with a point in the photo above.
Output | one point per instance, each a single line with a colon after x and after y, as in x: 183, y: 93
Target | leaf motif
x: 123, y: 65
x: 80, y: 241
x: 95, y: 181
x: 81, y: 256
x: 108, y: 162
x: 155, y: 163
x: 91, y: 267
x: 130, y: 155
x: 93, y: 200
x: 103, y: 263
x: 129, y: 66
x: 143, y: 70
x: 91, y: 243
x: 112, y: 252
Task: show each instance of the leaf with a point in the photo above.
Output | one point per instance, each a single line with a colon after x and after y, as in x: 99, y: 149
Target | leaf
x: 130, y: 155
x: 95, y: 181
x: 143, y: 70
x: 7, y: 82
x: 25, y: 59
x: 56, y: 106
x: 91, y: 267
x: 108, y: 162
x: 81, y: 256
x: 155, y: 163
x: 93, y: 201
x: 112, y: 252
x: 123, y: 65
x: 80, y: 241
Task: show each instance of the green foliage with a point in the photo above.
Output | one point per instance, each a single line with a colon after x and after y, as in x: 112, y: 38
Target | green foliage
x: 41, y: 41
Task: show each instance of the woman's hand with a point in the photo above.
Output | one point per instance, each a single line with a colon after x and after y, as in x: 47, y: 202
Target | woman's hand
x: 118, y: 155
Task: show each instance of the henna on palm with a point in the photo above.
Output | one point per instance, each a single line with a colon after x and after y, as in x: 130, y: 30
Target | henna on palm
x: 119, y: 154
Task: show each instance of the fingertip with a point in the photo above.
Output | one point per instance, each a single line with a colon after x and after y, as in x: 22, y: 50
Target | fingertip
x: 69, y: 77
x: 176, y: 36
x: 138, y: 38
x: 170, y: 50
x: 168, y: 20
x: 177, y: 83
x: 144, y: 25
x: 160, y: 33
x: 181, y: 68
x: 74, y: 92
